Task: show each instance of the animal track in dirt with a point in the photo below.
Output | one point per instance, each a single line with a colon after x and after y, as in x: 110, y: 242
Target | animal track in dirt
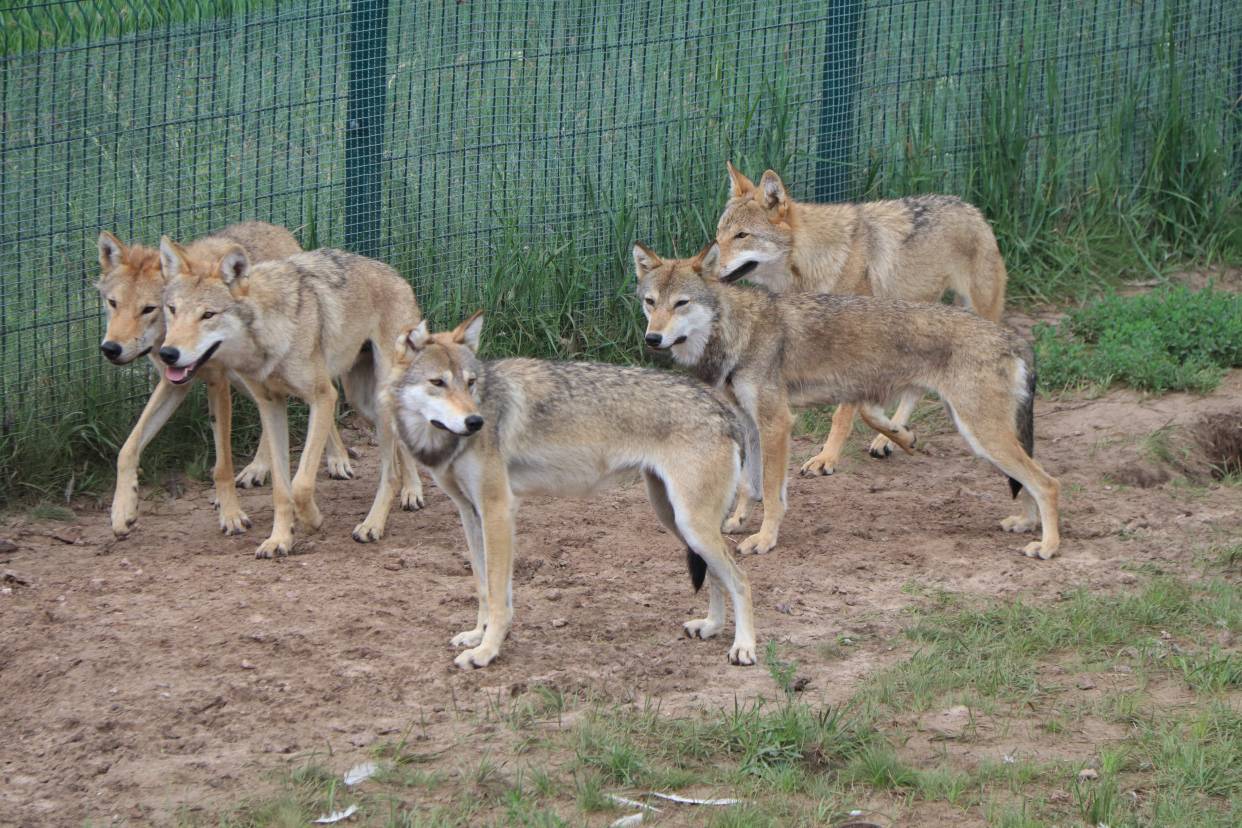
x: 162, y: 669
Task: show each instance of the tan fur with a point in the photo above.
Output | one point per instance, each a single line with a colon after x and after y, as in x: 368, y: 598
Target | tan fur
x: 912, y: 248
x: 494, y: 432
x: 292, y: 326
x: 769, y: 351
x: 132, y: 287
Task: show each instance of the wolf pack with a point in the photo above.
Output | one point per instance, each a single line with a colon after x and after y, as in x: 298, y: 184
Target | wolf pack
x: 843, y: 309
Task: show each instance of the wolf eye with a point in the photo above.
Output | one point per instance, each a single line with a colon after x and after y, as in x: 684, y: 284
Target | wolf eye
x: 146, y: 310
x: 209, y: 314
x: 438, y: 383
x: 650, y: 302
x: 112, y: 302
x: 680, y: 302
x: 470, y: 382
x: 172, y: 309
x: 741, y: 235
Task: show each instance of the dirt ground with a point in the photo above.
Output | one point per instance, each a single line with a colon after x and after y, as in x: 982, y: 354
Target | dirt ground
x: 171, y: 667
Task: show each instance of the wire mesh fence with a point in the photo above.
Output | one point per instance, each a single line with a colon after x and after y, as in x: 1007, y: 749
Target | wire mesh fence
x: 467, y: 141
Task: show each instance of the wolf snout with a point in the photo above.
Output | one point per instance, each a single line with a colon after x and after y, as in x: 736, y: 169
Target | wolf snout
x: 111, y: 350
x: 170, y: 355
x: 473, y: 423
x: 654, y: 339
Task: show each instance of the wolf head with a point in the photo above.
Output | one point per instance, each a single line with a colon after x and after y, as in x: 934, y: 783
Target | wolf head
x: 679, y: 300
x: 434, y: 381
x: 201, y: 308
x: 132, y: 287
x: 754, y: 234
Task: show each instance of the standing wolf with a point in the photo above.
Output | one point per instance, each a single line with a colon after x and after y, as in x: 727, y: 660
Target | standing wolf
x: 132, y: 287
x: 292, y: 326
x: 494, y: 432
x: 769, y: 351
x: 912, y: 248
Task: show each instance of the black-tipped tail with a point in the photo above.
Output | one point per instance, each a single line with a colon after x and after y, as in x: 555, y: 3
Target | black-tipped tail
x: 698, y: 568
x: 1026, y: 422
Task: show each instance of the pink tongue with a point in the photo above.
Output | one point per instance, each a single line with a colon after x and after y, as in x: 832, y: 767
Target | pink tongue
x: 176, y: 374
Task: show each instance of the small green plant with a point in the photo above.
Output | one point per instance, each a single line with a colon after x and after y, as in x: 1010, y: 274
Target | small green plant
x: 1168, y: 340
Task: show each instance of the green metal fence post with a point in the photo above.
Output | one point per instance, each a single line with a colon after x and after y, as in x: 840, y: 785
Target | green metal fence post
x: 836, y: 114
x: 364, y: 132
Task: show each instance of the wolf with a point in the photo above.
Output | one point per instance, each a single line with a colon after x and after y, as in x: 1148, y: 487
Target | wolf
x: 132, y: 287
x: 911, y: 248
x: 767, y: 351
x: 493, y: 432
x: 292, y: 326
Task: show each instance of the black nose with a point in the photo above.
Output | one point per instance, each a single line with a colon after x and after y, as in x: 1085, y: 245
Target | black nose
x: 170, y: 355
x: 473, y: 423
x: 654, y: 339
x: 111, y: 350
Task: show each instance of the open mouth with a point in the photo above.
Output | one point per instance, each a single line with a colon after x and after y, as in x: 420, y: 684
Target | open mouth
x: 180, y: 376
x: 740, y: 272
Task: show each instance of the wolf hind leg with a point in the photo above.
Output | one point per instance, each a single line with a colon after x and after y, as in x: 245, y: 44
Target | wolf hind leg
x: 998, y: 443
x: 1029, y: 517
x: 873, y: 415
x: 881, y: 446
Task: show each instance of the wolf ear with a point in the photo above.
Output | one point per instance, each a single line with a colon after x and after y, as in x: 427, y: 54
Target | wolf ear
x: 416, y: 338
x: 645, y: 261
x: 410, y: 340
x: 111, y: 251
x: 707, y: 262
x: 235, y: 266
x: 772, y: 193
x: 468, y: 332
x: 172, y: 258
x: 739, y: 185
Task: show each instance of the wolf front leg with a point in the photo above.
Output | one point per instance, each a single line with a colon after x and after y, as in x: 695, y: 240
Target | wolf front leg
x: 233, y: 521
x: 775, y: 423
x: 322, y: 422
x: 275, y: 418
x: 825, y: 462
x: 495, y: 502
x: 473, y: 527
x: 164, y: 401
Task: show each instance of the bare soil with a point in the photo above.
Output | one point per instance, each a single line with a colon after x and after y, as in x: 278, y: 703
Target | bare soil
x: 170, y: 668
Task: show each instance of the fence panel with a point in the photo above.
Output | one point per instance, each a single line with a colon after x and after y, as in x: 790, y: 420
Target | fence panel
x: 451, y: 137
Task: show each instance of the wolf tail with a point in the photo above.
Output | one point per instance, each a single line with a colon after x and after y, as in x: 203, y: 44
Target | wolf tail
x: 698, y: 568
x: 1025, y: 421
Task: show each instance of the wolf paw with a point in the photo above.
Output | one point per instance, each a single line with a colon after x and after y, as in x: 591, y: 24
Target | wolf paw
x: 339, y: 468
x: 412, y: 499
x: 1017, y: 523
x: 273, y: 548
x: 703, y: 628
x: 757, y: 544
x: 821, y: 465
x: 469, y: 638
x: 1041, y: 549
x: 253, y: 475
x: 365, y: 533
x: 733, y: 525
x: 743, y: 655
x: 881, y: 447
x: 480, y: 656
x: 124, y: 515
x: 235, y: 523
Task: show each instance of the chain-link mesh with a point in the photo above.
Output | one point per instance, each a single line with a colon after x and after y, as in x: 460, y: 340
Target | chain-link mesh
x: 453, y: 138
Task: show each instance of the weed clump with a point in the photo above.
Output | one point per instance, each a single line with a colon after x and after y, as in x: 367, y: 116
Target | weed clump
x: 1168, y: 340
